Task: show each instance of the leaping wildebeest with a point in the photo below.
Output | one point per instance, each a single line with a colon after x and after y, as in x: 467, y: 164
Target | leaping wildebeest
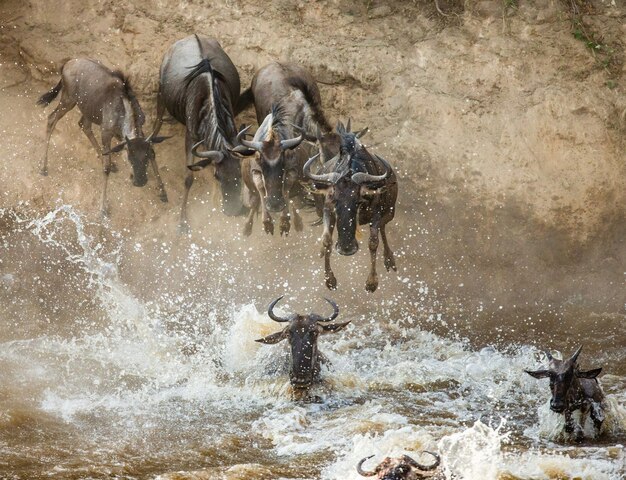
x: 104, y: 97
x: 358, y: 188
x: 402, y: 468
x: 199, y: 86
x: 288, y: 107
x: 573, y: 389
x: 302, y: 332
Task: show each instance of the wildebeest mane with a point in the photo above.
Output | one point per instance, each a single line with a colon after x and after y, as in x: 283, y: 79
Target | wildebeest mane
x: 312, y: 97
x: 218, y: 119
x: 138, y: 114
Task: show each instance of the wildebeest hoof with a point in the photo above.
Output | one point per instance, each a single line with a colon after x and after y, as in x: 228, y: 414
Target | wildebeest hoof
x: 390, y: 263
x: 104, y: 213
x: 297, y: 223
x: 113, y: 167
x: 269, y: 227
x: 163, y: 196
x: 372, y: 283
x: 331, y: 282
x: 285, y: 226
x: 183, y: 228
x: 578, y: 435
x: 44, y: 172
x: 247, y: 229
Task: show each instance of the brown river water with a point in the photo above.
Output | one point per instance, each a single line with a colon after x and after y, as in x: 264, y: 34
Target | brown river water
x: 136, y: 359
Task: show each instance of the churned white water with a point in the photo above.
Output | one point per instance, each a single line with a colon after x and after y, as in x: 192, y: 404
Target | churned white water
x: 141, y: 389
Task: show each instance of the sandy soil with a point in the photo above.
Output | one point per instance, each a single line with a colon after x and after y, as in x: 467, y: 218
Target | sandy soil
x: 505, y: 127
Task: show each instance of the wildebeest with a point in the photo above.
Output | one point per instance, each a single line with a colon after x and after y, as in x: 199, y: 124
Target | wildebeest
x: 358, y: 188
x: 104, y: 97
x: 302, y: 332
x: 573, y: 389
x: 199, y: 86
x: 402, y: 468
x: 288, y: 107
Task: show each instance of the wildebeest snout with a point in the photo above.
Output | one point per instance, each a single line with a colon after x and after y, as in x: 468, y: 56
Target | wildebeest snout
x: 347, y: 248
x: 275, y: 204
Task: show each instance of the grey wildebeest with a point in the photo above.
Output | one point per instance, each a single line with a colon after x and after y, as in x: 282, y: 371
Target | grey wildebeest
x: 302, y: 332
x: 288, y: 107
x: 358, y: 188
x: 402, y: 468
x: 104, y: 97
x: 199, y: 86
x: 573, y: 389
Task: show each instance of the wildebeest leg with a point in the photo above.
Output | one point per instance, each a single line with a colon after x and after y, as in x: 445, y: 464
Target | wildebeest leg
x: 390, y: 262
x: 285, y: 219
x: 297, y: 219
x: 372, y: 280
x: 327, y: 247
x: 268, y: 223
x: 597, y: 415
x: 572, y: 426
x: 85, y: 126
x: 162, y: 192
x: 64, y: 106
x: 183, y: 226
x: 255, y: 200
x: 106, y: 168
x: 160, y: 110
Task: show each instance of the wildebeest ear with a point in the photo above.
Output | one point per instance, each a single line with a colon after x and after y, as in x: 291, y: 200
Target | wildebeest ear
x: 159, y: 139
x: 115, y: 149
x: 538, y: 373
x: 199, y: 165
x: 273, y: 338
x: 589, y: 373
x: 333, y: 327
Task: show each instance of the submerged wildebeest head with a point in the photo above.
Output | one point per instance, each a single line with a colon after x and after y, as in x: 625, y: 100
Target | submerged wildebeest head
x: 573, y: 389
x: 402, y: 468
x: 302, y: 332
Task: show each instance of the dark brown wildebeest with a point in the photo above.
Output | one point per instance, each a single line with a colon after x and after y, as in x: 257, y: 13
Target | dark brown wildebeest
x: 358, y: 188
x: 199, y: 86
x: 302, y: 332
x: 573, y: 389
x: 288, y: 107
x: 402, y: 468
x: 104, y: 97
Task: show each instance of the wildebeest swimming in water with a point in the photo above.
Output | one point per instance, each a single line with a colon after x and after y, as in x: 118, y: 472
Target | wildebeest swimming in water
x: 199, y: 85
x: 358, y: 188
x: 288, y: 107
x: 302, y: 332
x: 573, y: 389
x: 104, y: 97
x: 402, y: 468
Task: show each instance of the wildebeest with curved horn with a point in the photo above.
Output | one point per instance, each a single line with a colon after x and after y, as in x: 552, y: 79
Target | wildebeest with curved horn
x: 302, y: 332
x: 288, y: 108
x: 573, y: 389
x: 358, y: 188
x: 104, y: 97
x: 402, y: 468
x: 199, y: 86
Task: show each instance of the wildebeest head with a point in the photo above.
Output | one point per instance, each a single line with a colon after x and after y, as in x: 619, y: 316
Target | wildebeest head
x: 562, y: 374
x: 140, y: 153
x: 347, y: 186
x: 273, y: 150
x: 402, y: 468
x: 227, y: 166
x: 302, y: 332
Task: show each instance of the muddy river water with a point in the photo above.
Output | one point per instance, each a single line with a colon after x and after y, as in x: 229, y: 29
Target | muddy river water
x: 109, y: 370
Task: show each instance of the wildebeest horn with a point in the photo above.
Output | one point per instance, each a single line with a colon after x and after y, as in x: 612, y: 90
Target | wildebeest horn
x: 212, y: 155
x: 424, y: 468
x: 250, y: 144
x: 365, y: 473
x: 361, y: 178
x: 329, y: 178
x: 151, y: 139
x: 335, y: 311
x: 575, y: 356
x: 270, y: 311
x: 303, y: 132
x: 348, y: 125
x: 291, y: 142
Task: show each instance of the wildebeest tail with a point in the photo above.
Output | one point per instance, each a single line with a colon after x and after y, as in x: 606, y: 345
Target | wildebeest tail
x: 47, y: 97
x: 312, y: 96
x: 245, y: 99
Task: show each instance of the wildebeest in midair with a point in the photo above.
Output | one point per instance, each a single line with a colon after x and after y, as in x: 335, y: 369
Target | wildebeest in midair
x: 288, y: 107
x: 302, y: 332
x: 573, y: 389
x: 402, y: 468
x: 359, y: 189
x: 104, y: 97
x: 199, y: 86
